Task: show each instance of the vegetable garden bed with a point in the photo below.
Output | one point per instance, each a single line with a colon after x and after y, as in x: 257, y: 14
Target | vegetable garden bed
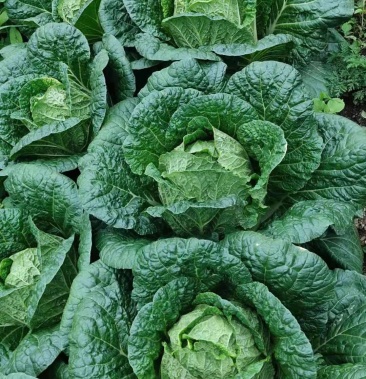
x: 183, y: 186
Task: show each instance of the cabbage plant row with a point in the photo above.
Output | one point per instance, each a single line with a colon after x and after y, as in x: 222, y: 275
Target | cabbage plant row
x: 171, y: 205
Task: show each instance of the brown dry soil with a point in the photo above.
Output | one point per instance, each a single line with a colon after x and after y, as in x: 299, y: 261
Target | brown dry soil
x: 353, y: 112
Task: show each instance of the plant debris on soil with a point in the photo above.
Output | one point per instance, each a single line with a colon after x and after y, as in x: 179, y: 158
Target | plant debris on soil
x: 354, y: 112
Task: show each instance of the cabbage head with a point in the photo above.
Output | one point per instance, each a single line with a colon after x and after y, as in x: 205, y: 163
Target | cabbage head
x: 202, y: 153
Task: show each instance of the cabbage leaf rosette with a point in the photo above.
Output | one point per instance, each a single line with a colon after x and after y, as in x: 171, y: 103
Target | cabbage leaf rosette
x: 201, y: 327
x: 46, y: 241
x: 249, y: 306
x: 254, y: 30
x: 53, y: 97
x: 207, y: 155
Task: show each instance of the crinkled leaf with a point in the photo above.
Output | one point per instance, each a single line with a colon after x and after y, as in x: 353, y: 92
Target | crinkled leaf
x: 98, y: 88
x: 16, y: 376
x: 147, y: 15
x: 314, y: 76
x: 105, y: 193
x: 20, y: 305
x: 275, y: 90
x: 272, y: 47
x: 57, y: 209
x: 291, y: 348
x: 284, y: 268
x: 100, y: 328
x: 344, y: 339
x: 154, y: 49
x: 119, y: 249
x: 36, y: 12
x: 192, y: 30
x: 98, y: 282
x: 340, y: 250
x: 36, y: 352
x: 121, y: 78
x: 154, y: 319
x: 340, y: 175
x: 167, y: 259
x: 301, y: 18
x: 207, y: 77
x: 346, y: 371
x: 116, y: 21
x: 85, y: 242
x: 61, y: 139
x: 308, y: 220
x: 11, y: 131
x: 149, y: 125
x: 15, y: 231
x: 24, y: 268
x: 72, y: 48
x: 221, y: 111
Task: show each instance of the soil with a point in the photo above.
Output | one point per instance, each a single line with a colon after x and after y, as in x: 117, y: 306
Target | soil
x: 354, y: 112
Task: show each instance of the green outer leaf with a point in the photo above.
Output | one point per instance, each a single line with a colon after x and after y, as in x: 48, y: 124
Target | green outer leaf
x: 149, y: 125
x: 87, y: 20
x: 16, y: 376
x: 194, y: 30
x: 98, y: 88
x: 4, y: 355
x: 10, y: 130
x: 15, y: 63
x: 344, y: 339
x: 38, y: 11
x: 196, y: 218
x: 207, y: 77
x: 36, y: 352
x: 224, y: 112
x: 154, y: 319
x: 308, y: 220
x: 60, y: 165
x: 58, y: 208
x: 343, y: 251
x: 119, y: 68
x: 105, y: 193
x: 292, y: 349
x: 267, y: 48
x: 346, y: 371
x: 15, y: 232
x: 119, y: 249
x: 56, y: 292
x: 285, y: 269
x: 350, y: 290
x: 314, y: 75
x: 340, y: 175
x: 72, y: 48
x: 147, y: 15
x: 61, y: 139
x: 85, y: 243
x: 154, y: 49
x: 18, y: 306
x: 301, y: 18
x: 100, y: 328
x: 101, y: 281
x: 264, y: 142
x: 122, y: 27
x: 166, y: 259
x: 275, y: 90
